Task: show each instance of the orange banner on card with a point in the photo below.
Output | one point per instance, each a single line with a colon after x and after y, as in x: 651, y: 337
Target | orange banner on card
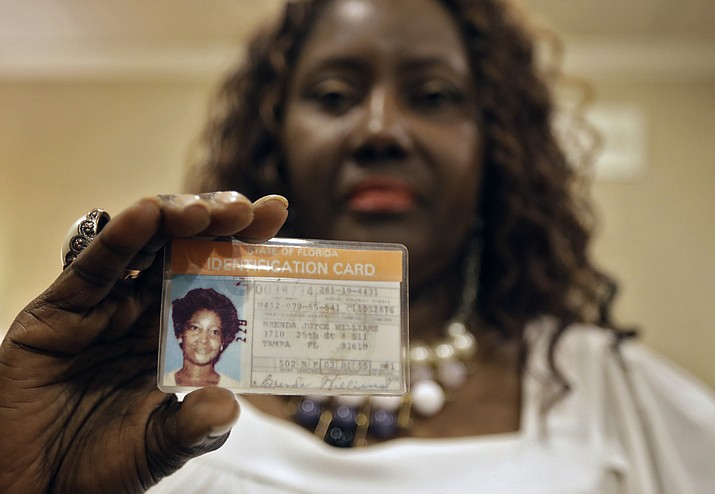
x: 222, y: 258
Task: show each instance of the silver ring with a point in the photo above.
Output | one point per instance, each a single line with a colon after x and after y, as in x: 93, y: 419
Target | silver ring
x: 81, y: 234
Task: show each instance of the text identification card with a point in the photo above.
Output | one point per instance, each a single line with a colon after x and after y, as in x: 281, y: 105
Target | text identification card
x: 288, y: 316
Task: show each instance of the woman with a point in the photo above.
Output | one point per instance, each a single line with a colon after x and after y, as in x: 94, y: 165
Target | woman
x: 415, y: 121
x: 205, y: 324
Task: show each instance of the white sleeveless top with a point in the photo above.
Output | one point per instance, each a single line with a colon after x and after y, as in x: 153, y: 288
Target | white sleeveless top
x: 632, y: 424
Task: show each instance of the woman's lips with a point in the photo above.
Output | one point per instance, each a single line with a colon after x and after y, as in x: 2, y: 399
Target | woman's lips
x: 382, y: 195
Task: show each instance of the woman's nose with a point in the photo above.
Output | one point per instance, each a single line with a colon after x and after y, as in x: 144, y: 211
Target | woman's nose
x: 383, y: 131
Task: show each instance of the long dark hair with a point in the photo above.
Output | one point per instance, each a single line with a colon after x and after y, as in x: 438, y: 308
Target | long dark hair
x: 536, y: 229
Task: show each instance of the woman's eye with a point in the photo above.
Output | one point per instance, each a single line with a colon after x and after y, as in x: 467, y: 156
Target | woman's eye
x: 216, y: 332
x: 436, y: 96
x: 333, y: 96
x: 193, y: 328
x: 333, y: 99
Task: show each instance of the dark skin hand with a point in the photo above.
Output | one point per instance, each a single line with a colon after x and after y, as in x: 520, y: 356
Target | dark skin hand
x: 79, y: 407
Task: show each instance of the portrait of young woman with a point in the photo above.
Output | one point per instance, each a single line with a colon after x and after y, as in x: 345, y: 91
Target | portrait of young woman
x: 205, y: 323
x: 426, y: 123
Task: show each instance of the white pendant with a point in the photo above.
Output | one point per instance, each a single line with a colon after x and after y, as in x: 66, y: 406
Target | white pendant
x: 387, y: 403
x: 465, y: 346
x: 444, y: 352
x: 452, y: 374
x: 420, y: 354
x: 427, y: 397
x: 457, y: 329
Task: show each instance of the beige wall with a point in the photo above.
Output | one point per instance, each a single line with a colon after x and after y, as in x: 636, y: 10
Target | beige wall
x: 67, y: 147
x: 658, y: 234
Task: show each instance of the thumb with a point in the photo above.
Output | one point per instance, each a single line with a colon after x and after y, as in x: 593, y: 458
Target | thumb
x: 183, y: 430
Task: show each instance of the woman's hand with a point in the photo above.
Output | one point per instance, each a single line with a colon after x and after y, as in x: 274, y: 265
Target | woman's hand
x: 79, y: 407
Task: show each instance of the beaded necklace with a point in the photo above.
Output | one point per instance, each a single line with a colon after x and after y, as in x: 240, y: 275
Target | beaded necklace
x: 435, y: 371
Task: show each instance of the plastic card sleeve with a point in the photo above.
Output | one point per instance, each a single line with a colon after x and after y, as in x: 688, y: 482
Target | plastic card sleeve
x: 288, y: 316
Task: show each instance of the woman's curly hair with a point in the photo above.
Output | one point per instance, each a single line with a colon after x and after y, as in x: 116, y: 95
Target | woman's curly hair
x: 536, y: 230
x: 206, y: 299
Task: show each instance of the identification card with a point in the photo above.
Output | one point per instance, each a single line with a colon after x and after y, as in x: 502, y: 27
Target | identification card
x: 287, y: 316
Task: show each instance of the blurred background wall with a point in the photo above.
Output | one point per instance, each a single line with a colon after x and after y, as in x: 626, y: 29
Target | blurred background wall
x: 102, y: 102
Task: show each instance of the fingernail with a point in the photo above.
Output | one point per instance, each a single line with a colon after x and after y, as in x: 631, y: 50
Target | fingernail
x: 184, y: 200
x: 215, y: 432
x: 180, y: 200
x: 230, y: 196
x: 275, y: 198
x: 157, y: 199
